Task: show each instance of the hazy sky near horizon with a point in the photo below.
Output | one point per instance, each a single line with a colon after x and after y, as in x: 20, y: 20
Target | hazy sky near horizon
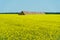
x: 30, y: 5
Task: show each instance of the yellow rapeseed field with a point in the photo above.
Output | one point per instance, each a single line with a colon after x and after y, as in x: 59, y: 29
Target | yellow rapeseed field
x: 29, y: 27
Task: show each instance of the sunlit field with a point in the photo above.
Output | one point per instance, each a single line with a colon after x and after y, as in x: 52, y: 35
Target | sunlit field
x: 29, y: 27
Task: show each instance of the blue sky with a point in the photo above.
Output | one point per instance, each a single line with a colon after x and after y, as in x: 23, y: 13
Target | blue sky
x: 30, y: 5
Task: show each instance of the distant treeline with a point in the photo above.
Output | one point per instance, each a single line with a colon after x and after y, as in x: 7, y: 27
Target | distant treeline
x: 52, y: 12
x: 20, y: 13
x: 10, y: 13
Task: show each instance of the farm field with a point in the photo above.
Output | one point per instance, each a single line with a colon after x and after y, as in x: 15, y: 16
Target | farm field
x: 29, y: 27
